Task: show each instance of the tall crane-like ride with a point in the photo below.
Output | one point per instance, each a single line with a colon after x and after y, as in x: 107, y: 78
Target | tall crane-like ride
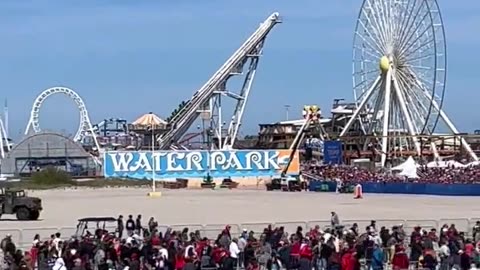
x: 312, y: 118
x: 311, y: 114
x: 210, y: 94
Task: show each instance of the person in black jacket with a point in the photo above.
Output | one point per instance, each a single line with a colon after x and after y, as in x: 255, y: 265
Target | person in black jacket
x: 120, y: 226
x: 130, y: 225
x: 138, y: 225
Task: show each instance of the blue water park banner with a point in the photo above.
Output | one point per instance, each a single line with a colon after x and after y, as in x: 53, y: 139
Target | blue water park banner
x: 196, y: 164
x: 332, y: 152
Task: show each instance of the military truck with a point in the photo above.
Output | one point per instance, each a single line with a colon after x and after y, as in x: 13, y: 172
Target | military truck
x: 18, y: 203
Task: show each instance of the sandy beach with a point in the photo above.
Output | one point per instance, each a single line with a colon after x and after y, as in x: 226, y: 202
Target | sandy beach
x: 251, y: 209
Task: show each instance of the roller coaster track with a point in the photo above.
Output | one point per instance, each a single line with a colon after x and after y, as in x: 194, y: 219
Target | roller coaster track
x: 247, y: 55
x: 85, y: 127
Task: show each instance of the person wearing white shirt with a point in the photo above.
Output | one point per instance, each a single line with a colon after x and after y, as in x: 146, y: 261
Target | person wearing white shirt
x: 190, y: 252
x: 444, y: 253
x: 444, y: 250
x: 163, y: 252
x: 234, y: 251
x: 57, y: 240
x: 242, y: 243
x: 339, y: 185
x: 59, y: 264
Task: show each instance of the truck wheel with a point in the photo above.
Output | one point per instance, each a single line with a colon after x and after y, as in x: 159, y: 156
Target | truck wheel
x: 34, y: 214
x: 23, y: 213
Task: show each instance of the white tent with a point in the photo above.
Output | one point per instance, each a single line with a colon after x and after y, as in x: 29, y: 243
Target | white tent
x: 444, y: 164
x: 455, y: 164
x: 407, y: 168
x: 473, y: 164
x: 406, y: 164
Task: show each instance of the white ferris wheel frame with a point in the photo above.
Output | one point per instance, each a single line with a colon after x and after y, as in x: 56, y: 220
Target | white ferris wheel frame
x: 407, y: 94
x: 4, y: 143
x: 85, y: 127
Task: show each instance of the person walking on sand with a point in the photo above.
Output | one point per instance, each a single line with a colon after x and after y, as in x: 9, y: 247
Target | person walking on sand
x: 334, y: 220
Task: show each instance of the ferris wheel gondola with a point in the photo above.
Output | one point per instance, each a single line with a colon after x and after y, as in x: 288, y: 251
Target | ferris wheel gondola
x: 399, y: 73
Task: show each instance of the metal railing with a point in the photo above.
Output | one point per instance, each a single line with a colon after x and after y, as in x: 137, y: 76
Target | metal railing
x: 24, y: 237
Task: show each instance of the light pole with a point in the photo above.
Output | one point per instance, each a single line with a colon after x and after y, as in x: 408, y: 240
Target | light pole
x: 287, y: 111
x: 153, y: 157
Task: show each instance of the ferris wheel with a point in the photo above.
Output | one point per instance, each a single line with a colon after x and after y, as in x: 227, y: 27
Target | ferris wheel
x: 399, y: 74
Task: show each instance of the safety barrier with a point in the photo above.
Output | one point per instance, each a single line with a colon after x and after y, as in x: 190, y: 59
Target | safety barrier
x: 405, y: 188
x: 24, y: 237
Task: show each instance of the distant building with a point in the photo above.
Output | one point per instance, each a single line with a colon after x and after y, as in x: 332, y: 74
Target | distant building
x: 280, y: 135
x: 45, y: 149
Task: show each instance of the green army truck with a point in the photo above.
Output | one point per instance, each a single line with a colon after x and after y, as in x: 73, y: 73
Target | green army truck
x: 18, y: 203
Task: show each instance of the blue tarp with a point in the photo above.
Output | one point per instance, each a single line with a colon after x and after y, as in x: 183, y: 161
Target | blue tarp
x: 410, y: 188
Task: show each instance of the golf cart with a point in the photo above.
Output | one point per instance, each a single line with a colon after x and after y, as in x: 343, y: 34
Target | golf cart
x: 95, y: 223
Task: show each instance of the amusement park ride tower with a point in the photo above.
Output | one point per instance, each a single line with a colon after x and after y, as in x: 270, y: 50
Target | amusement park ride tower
x: 207, y: 101
x: 399, y: 74
x: 311, y: 115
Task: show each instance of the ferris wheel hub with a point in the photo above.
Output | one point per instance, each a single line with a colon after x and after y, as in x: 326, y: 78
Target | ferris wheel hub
x: 384, y: 63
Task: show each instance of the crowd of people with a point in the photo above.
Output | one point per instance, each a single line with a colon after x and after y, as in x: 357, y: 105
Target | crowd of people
x: 133, y: 246
x: 446, y: 175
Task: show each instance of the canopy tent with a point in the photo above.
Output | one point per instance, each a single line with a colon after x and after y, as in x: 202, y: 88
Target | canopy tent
x: 407, y: 168
x: 473, y: 164
x: 407, y: 163
x: 444, y: 164
x: 148, y: 120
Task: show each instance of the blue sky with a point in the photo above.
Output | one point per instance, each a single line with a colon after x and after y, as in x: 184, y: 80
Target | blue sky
x: 126, y: 58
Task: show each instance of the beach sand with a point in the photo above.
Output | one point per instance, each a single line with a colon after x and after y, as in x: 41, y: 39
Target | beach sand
x: 240, y: 208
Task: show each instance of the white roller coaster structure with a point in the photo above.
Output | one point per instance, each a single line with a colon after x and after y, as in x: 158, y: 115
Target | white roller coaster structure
x: 208, y: 99
x: 85, y: 127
